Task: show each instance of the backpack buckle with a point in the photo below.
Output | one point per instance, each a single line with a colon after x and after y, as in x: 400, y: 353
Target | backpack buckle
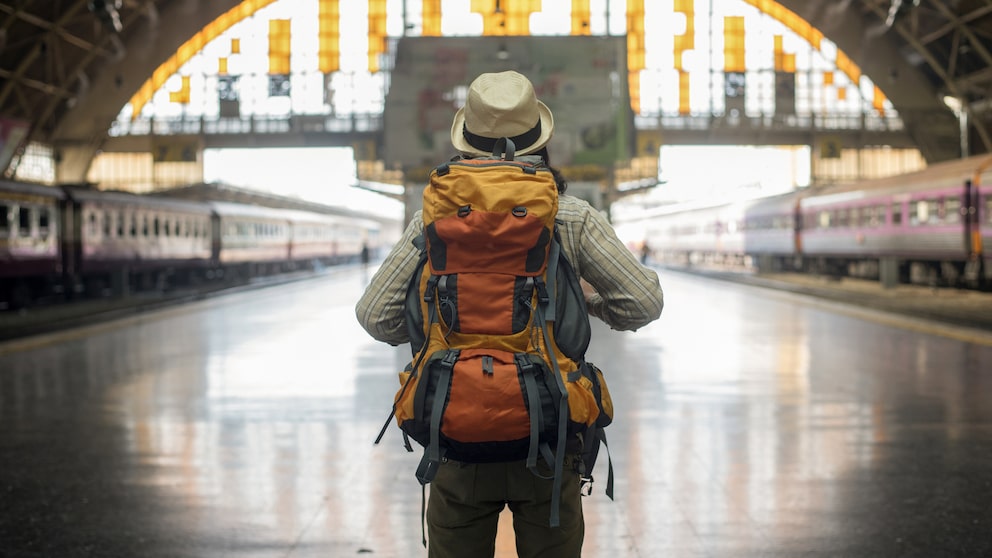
x: 542, y: 292
x: 585, y: 486
x: 524, y: 364
x: 450, y: 358
x: 431, y: 286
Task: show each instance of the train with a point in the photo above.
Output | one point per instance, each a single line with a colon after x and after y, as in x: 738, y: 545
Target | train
x: 932, y: 226
x: 72, y: 241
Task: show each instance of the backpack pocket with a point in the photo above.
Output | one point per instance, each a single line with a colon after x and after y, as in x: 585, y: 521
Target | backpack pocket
x: 403, y: 400
x: 589, y: 400
x: 602, y: 394
x: 486, y: 399
x: 491, y: 404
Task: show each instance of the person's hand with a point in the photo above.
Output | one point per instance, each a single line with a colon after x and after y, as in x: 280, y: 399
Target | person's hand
x: 587, y: 289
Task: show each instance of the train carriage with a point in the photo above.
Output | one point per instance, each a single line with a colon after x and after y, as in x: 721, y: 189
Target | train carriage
x: 249, y: 234
x: 770, y: 231
x: 684, y: 234
x: 121, y: 239
x: 144, y: 231
x: 981, y: 217
x: 30, y: 248
x: 352, y: 234
x: 76, y: 241
x: 933, y: 226
x: 311, y: 236
x: 920, y: 219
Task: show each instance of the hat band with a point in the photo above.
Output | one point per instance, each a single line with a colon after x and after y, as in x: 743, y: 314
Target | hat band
x: 522, y: 141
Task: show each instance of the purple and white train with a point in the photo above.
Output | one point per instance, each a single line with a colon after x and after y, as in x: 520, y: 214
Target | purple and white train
x: 61, y: 241
x: 933, y: 226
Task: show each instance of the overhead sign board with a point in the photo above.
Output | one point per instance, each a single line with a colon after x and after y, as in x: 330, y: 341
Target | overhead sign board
x: 583, y: 80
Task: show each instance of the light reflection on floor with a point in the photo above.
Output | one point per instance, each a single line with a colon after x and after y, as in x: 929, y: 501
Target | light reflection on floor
x: 746, y: 426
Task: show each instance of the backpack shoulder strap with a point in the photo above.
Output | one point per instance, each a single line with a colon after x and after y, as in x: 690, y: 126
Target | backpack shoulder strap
x: 552, y: 273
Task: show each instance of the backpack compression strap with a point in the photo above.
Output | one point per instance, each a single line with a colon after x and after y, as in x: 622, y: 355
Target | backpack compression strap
x: 543, y: 316
x: 434, y: 452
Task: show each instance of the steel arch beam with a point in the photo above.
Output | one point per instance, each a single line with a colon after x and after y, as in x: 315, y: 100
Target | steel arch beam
x: 84, y: 128
x: 869, y: 43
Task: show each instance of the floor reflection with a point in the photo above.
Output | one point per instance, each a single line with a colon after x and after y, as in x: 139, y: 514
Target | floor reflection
x: 746, y: 425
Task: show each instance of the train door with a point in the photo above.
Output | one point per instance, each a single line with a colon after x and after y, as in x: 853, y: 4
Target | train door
x: 215, y: 239
x: 974, y: 267
x: 69, y: 235
x: 797, y: 229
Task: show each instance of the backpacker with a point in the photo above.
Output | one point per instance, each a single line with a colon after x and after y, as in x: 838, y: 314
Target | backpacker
x: 498, y: 326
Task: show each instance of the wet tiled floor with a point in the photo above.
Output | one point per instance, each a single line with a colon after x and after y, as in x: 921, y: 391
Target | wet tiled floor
x: 748, y: 424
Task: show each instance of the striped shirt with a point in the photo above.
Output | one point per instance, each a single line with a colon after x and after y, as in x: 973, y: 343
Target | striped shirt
x: 628, y: 295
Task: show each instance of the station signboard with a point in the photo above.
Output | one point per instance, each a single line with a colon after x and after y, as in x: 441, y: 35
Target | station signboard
x: 583, y: 80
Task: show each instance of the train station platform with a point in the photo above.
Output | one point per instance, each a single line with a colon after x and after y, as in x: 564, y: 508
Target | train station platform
x: 750, y: 423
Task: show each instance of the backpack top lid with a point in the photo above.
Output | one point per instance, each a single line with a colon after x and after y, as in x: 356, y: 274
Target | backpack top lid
x: 490, y: 214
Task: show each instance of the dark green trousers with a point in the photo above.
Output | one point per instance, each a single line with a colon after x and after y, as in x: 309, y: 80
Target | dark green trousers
x: 466, y: 500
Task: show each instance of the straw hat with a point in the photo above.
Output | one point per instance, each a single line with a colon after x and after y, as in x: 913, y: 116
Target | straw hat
x: 501, y: 105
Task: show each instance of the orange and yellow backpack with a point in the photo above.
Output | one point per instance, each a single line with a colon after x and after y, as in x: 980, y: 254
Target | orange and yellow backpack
x: 498, y: 326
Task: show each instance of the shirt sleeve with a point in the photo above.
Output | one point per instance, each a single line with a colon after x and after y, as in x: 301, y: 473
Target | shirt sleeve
x: 628, y: 295
x: 381, y: 308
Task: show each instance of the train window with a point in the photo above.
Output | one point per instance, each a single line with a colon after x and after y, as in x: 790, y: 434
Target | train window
x: 43, y: 222
x: 933, y: 211
x: 120, y: 223
x: 824, y: 219
x: 988, y: 208
x: 917, y: 212
x: 144, y: 225
x: 843, y: 218
x: 4, y: 220
x: 877, y: 216
x: 896, y: 214
x: 156, y: 227
x: 952, y: 210
x: 133, y: 222
x: 24, y: 221
x: 92, y: 226
x: 107, y: 223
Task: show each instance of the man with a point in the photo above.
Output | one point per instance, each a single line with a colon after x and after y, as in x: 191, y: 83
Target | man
x: 466, y: 498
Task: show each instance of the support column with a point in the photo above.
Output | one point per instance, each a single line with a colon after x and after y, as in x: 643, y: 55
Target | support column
x: 413, y: 199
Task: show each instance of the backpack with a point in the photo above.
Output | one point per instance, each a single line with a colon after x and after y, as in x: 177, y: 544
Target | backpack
x: 498, y: 327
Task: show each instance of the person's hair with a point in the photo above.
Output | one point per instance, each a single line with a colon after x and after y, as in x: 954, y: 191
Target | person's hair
x: 559, y: 177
